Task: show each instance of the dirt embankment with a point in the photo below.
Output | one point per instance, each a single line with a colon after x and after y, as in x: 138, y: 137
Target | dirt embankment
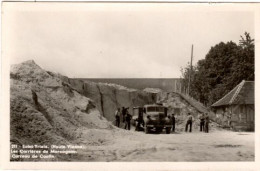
x: 46, y: 110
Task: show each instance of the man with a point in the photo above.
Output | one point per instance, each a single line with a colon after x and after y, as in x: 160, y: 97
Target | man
x: 207, y: 123
x: 202, y: 122
x: 117, y: 115
x: 189, y: 122
x: 140, y: 121
x: 123, y: 113
x: 128, y: 118
x: 173, y: 123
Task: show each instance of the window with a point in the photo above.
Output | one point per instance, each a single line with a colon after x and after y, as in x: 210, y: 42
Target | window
x: 155, y: 109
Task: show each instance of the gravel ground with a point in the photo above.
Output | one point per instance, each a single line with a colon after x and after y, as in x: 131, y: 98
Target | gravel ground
x: 218, y: 145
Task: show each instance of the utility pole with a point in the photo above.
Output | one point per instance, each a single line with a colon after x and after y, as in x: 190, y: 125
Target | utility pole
x: 175, y: 86
x: 188, y: 92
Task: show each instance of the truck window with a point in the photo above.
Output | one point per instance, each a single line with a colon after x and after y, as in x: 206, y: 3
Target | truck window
x: 155, y: 109
x: 160, y: 109
x: 151, y: 109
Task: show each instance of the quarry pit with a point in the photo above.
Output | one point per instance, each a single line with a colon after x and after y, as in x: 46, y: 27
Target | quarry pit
x: 51, y: 109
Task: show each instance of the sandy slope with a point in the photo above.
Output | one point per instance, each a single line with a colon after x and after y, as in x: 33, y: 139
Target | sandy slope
x: 45, y: 110
x: 137, y: 146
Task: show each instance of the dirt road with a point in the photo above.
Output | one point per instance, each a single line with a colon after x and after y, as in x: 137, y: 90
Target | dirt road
x: 219, y: 145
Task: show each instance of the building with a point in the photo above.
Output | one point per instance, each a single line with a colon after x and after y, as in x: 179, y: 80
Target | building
x: 237, y: 108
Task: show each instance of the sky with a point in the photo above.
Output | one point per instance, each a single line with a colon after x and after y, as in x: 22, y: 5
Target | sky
x: 124, y: 40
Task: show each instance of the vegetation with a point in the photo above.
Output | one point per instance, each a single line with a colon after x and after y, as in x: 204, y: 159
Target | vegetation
x: 225, y: 66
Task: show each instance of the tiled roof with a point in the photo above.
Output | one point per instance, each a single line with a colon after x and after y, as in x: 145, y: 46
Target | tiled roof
x: 243, y: 93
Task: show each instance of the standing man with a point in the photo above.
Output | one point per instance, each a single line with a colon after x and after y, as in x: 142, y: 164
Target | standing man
x: 189, y: 122
x: 207, y: 123
x: 128, y: 118
x: 173, y: 123
x: 140, y: 121
x: 123, y: 113
x: 117, y: 115
x: 202, y: 122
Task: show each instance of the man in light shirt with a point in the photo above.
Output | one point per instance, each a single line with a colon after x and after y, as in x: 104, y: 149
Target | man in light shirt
x: 117, y: 115
x: 189, y: 122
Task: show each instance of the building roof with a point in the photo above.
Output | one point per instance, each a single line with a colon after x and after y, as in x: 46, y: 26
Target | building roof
x: 243, y: 93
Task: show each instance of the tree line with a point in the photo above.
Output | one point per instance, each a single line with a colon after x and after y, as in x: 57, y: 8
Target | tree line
x: 224, y: 66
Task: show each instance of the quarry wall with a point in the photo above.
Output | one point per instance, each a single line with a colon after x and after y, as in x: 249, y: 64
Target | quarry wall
x: 165, y: 84
x: 109, y: 97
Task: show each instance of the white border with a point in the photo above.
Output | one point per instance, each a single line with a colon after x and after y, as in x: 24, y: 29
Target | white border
x: 5, y: 98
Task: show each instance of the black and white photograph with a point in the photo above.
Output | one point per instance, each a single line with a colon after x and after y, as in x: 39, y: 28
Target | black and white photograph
x: 129, y: 82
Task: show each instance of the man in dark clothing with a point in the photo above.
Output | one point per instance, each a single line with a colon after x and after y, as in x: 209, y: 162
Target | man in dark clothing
x: 207, y: 123
x: 202, y: 122
x: 189, y: 122
x: 124, y: 113
x: 117, y: 115
x: 128, y: 118
x: 140, y: 121
x: 173, y: 123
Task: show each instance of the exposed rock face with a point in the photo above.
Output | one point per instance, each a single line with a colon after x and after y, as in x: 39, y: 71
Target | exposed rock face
x: 109, y: 97
x: 175, y: 101
x: 47, y: 110
x: 181, y: 107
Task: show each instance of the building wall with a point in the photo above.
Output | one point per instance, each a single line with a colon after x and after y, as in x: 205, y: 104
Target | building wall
x: 240, y: 117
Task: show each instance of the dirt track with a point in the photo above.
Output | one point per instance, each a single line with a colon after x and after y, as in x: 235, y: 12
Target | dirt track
x: 197, y: 146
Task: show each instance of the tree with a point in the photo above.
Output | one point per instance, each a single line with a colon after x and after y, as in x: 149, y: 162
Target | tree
x: 225, y: 66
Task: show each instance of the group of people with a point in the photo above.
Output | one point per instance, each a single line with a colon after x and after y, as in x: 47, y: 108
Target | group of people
x: 204, y: 122
x: 126, y: 118
x: 125, y: 115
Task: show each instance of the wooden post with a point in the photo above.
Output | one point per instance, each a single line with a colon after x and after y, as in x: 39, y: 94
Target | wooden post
x: 175, y: 87
x: 188, y: 91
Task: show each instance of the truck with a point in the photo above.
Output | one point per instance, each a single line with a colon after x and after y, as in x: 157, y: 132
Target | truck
x: 152, y: 117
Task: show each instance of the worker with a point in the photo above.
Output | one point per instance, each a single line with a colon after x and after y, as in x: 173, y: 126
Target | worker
x: 128, y: 118
x: 207, y: 123
x: 202, y: 122
x: 189, y: 122
x: 173, y: 122
x: 140, y: 121
x: 117, y: 116
x: 123, y: 113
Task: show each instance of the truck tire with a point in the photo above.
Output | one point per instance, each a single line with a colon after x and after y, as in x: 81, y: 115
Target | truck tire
x: 147, y: 130
x: 168, y: 130
x: 159, y: 130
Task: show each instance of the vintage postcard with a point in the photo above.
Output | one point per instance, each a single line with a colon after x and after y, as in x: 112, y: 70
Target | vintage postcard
x: 137, y: 86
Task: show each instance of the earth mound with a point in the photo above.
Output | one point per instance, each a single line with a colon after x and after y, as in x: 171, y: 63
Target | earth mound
x: 46, y: 110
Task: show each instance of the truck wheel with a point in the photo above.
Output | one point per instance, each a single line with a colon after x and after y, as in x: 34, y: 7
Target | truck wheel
x: 147, y: 130
x: 159, y: 130
x: 168, y: 130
